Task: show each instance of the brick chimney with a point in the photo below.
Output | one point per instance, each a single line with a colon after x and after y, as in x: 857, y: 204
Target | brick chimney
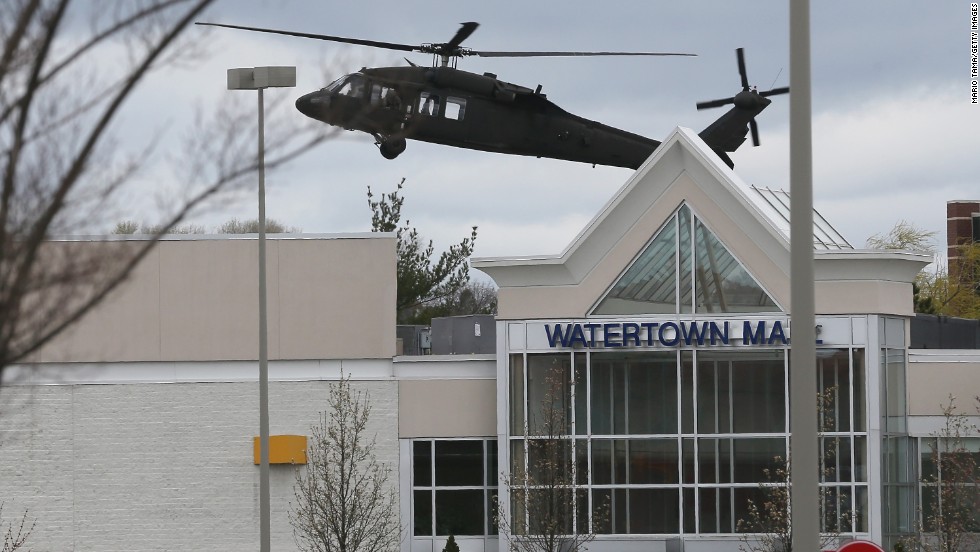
x: 962, y: 224
x: 962, y: 227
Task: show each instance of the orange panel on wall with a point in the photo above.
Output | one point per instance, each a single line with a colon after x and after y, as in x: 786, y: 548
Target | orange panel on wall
x: 283, y: 449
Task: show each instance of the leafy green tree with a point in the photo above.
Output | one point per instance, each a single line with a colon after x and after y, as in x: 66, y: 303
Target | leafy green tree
x: 950, y: 289
x: 421, y: 281
x: 904, y: 236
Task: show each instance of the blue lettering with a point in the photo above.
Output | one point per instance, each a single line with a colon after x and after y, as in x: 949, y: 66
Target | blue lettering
x: 558, y: 336
x: 777, y: 333
x: 649, y: 326
x: 631, y: 331
x: 756, y: 338
x: 592, y: 328
x: 660, y: 335
x: 608, y: 334
x: 715, y: 333
x: 692, y: 331
x: 577, y: 336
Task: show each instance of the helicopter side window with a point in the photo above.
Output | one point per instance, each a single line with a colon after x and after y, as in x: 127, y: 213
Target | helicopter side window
x: 455, y: 108
x: 428, y: 104
x: 385, y: 96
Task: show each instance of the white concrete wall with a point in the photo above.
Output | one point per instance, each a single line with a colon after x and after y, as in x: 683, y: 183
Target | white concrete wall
x: 131, y: 467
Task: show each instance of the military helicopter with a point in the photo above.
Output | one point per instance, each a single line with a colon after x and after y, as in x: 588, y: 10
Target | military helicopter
x: 445, y: 105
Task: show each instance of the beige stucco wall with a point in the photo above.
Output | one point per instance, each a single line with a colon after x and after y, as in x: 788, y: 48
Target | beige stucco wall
x: 864, y: 297
x: 447, y: 408
x: 931, y: 383
x: 196, y: 299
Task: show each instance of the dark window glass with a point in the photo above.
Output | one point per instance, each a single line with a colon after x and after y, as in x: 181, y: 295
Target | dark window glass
x: 638, y: 387
x: 687, y: 392
x: 459, y: 463
x: 581, y: 395
x: 549, y: 461
x: 651, y: 387
x: 582, y: 462
x: 709, y: 508
x: 550, y: 510
x: 689, y: 517
x: 859, y: 400
x: 582, y: 511
x: 602, y: 511
x: 492, y: 512
x: 652, y: 461
x: 459, y: 512
x: 549, y: 392
x: 422, y: 463
x: 715, y: 460
x: 714, y: 401
x: 860, y: 458
x: 752, y: 457
x: 517, y: 394
x: 687, y: 460
x: 492, y: 472
x: 758, y: 393
x: 654, y: 511
x: 423, y: 513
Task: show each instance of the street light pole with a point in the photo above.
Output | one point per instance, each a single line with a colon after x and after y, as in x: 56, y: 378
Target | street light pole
x: 260, y: 78
x: 804, y: 452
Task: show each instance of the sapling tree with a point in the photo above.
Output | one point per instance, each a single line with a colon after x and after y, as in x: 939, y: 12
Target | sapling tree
x: 544, y: 491
x: 343, y: 499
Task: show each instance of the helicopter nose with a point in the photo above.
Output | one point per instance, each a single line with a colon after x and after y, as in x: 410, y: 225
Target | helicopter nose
x: 313, y: 104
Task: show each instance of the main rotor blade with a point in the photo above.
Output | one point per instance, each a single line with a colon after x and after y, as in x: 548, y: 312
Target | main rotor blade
x: 565, y: 54
x: 715, y: 103
x: 755, y: 132
x: 462, y: 34
x: 774, y: 91
x: 740, y: 55
x: 358, y: 41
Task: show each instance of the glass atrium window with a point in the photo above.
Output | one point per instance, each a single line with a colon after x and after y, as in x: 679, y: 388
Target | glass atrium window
x: 685, y: 268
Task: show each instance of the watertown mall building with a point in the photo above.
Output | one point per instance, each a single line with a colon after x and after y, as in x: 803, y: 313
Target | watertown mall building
x: 667, y: 319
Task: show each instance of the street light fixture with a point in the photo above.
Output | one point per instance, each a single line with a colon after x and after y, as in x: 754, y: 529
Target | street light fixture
x: 260, y: 78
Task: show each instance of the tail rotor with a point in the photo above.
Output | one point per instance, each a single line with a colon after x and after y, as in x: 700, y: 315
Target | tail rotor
x: 749, y: 99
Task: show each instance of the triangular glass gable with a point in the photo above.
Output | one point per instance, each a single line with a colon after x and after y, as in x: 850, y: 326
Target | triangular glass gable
x: 685, y: 260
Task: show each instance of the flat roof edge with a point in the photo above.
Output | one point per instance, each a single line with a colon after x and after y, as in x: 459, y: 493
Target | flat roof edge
x: 216, y: 237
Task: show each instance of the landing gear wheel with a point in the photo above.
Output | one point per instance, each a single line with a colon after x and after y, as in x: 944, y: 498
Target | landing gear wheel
x: 391, y: 149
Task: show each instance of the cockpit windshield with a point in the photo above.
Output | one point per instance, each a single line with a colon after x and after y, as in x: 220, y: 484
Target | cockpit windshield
x: 348, y: 85
x: 335, y: 84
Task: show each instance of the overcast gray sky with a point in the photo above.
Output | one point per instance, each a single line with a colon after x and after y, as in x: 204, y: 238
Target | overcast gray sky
x: 895, y: 134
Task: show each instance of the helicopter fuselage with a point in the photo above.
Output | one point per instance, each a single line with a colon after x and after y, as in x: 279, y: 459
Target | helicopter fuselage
x: 444, y: 105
